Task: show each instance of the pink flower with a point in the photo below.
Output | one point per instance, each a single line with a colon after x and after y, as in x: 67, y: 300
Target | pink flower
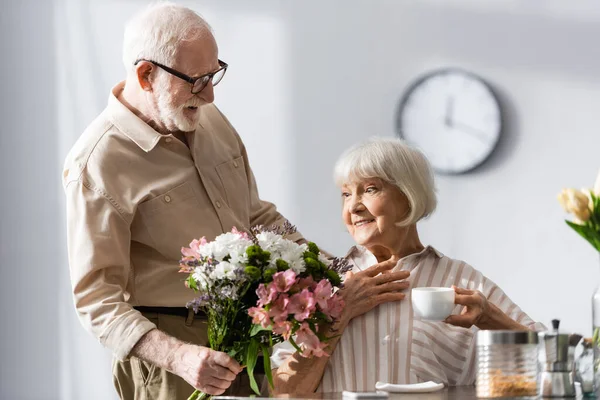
x: 194, y: 249
x: 279, y: 309
x: 244, y: 235
x: 305, y: 283
x: 260, y: 316
x: 335, y: 306
x: 302, y: 305
x: 323, y: 293
x: 283, y: 281
x: 266, y: 295
x: 309, y: 342
x: 284, y: 329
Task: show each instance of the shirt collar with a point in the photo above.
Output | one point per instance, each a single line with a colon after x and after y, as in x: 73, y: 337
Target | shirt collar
x: 130, y: 124
x: 360, y: 251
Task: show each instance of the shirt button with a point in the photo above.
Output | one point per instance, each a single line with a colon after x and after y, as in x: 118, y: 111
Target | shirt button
x: 168, y: 140
x: 218, y: 204
x: 235, y: 164
x: 167, y: 199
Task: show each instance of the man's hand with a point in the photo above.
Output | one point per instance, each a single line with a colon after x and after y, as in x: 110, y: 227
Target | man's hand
x: 207, y: 370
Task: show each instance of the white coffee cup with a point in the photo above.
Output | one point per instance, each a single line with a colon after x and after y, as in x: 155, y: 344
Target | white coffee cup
x: 432, y: 303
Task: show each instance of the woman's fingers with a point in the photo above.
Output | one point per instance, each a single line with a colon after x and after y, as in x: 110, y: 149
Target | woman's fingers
x: 391, y: 277
x: 391, y: 287
x: 389, y: 297
x: 463, y: 320
x: 466, y: 300
x: 382, y: 267
x: 459, y: 290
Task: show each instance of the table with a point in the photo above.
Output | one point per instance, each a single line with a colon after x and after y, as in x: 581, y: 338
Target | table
x: 453, y: 393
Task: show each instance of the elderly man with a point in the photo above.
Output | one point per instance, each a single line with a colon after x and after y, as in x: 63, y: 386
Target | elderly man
x: 160, y: 166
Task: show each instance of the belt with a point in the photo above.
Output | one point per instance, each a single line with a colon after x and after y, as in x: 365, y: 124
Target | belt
x: 179, y: 311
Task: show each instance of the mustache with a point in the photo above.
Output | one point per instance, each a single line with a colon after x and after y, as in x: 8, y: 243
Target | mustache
x: 193, y: 102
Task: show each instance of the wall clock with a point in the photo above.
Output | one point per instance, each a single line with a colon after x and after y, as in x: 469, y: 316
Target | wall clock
x: 453, y: 116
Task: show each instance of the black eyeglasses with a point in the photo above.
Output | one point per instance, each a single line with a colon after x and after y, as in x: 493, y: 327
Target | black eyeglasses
x: 199, y: 83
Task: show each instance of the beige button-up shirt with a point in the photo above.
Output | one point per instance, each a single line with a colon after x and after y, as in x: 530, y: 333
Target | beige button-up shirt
x: 134, y: 198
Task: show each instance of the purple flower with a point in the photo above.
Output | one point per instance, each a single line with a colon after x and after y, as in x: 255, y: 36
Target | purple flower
x: 199, y: 302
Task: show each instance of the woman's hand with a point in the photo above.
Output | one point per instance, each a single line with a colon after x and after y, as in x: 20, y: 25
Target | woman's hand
x: 376, y: 285
x: 475, y: 307
x: 480, y: 312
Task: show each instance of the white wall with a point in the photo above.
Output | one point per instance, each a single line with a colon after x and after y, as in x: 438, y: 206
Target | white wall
x: 29, y: 243
x: 307, y: 80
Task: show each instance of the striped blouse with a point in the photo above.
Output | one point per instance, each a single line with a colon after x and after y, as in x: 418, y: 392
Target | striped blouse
x: 388, y: 345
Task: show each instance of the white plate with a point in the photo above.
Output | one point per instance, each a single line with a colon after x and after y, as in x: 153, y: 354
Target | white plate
x: 423, y: 387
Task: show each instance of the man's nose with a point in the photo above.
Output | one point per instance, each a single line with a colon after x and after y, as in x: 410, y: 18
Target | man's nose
x: 208, y: 93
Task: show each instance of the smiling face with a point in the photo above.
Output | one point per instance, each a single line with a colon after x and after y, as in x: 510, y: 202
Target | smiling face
x: 372, y: 208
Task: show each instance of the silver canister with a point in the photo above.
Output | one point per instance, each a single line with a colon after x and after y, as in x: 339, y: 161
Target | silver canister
x: 507, y: 364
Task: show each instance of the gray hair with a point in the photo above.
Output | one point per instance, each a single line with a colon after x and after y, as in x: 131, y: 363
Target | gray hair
x: 397, y: 163
x: 155, y: 33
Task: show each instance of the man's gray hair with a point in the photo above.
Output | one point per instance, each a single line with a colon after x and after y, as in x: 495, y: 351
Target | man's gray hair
x: 395, y: 162
x: 156, y: 33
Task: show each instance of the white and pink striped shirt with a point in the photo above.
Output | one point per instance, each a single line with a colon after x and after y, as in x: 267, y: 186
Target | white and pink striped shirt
x: 388, y: 345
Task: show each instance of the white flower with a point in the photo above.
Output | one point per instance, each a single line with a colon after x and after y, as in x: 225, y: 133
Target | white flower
x: 200, y: 277
x: 239, y: 258
x: 225, y: 244
x: 269, y: 241
x: 292, y: 254
x: 224, y: 270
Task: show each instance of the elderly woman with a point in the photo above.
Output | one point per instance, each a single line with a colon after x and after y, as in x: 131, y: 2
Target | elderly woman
x: 387, y: 187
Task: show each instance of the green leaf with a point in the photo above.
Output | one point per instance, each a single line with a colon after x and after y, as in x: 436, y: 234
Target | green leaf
x: 251, y: 357
x: 256, y: 329
x: 192, y: 283
x: 587, y: 233
x: 267, y: 364
x: 233, y: 352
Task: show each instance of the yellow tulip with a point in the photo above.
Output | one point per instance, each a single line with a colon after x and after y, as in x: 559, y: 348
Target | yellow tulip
x: 588, y: 194
x: 575, y: 202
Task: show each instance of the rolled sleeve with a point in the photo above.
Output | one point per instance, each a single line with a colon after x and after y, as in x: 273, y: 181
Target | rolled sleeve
x: 497, y: 296
x: 98, y: 238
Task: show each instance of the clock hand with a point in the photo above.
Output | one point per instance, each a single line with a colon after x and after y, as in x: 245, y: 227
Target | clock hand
x: 471, y: 131
x: 449, y: 112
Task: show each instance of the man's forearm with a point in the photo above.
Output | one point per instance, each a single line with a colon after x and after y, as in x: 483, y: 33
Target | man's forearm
x: 158, y: 348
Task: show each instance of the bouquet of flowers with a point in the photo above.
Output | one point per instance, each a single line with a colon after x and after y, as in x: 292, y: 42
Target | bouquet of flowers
x: 584, y: 204
x: 258, y: 289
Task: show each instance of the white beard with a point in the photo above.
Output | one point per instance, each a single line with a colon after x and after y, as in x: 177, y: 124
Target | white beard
x: 175, y: 114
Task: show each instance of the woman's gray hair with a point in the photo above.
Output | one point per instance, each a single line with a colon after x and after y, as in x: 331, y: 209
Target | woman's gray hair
x: 156, y: 33
x: 395, y: 162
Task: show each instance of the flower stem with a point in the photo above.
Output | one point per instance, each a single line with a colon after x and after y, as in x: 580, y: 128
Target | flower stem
x: 198, y: 395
